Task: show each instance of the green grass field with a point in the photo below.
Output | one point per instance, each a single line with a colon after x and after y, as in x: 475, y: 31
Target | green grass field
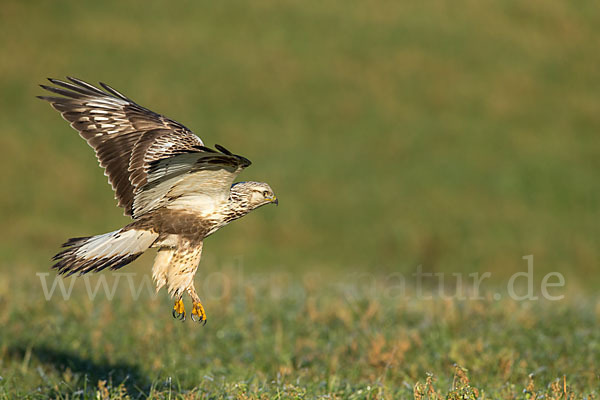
x: 448, y: 137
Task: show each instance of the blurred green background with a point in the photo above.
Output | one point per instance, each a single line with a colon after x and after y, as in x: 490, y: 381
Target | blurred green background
x: 460, y: 136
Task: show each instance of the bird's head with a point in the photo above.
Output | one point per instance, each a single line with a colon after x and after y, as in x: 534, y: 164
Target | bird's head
x: 253, y: 194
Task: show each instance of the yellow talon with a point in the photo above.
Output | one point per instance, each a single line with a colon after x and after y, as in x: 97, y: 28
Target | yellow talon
x: 198, y: 311
x: 179, y: 310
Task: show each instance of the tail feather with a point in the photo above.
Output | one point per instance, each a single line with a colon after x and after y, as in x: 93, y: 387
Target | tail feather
x: 110, y: 250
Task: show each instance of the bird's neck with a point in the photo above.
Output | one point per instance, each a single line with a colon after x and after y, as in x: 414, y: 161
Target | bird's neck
x: 235, y: 207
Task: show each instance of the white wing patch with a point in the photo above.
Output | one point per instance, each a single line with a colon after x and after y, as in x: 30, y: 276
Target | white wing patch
x: 185, y: 182
x: 153, y: 197
x: 202, y: 191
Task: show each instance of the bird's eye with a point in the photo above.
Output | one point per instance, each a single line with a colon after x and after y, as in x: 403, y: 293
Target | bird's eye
x: 266, y: 193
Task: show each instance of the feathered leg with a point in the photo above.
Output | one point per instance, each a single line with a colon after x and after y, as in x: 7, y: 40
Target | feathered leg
x: 175, y: 267
x: 160, y: 275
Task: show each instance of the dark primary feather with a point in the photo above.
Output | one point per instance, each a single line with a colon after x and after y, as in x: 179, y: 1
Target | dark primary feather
x: 223, y: 149
x: 128, y: 139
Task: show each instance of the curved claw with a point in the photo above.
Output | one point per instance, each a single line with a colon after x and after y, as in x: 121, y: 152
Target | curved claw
x: 179, y: 310
x: 179, y: 316
x: 198, y: 314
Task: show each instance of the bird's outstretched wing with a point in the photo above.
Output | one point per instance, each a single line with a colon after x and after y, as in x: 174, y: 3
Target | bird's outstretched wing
x: 195, y: 181
x: 139, y: 149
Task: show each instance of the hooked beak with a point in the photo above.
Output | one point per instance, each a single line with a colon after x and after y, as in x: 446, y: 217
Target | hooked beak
x: 275, y: 200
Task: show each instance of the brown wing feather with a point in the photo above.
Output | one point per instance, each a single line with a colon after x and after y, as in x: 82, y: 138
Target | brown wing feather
x: 127, y: 137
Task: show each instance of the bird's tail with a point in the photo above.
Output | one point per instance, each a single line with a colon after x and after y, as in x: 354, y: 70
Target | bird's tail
x: 110, y: 250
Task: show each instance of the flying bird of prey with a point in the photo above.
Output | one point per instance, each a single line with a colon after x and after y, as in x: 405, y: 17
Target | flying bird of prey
x: 176, y: 190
